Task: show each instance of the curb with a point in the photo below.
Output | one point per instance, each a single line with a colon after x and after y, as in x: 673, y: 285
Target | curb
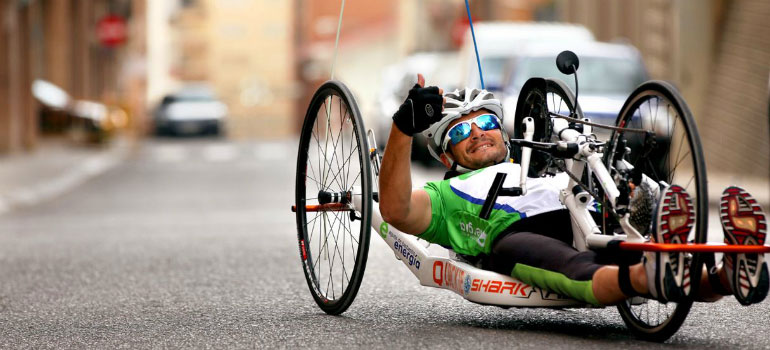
x: 75, y: 175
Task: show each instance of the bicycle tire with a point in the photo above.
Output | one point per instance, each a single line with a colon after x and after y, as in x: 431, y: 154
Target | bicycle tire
x: 645, y: 104
x: 537, y: 98
x: 333, y: 157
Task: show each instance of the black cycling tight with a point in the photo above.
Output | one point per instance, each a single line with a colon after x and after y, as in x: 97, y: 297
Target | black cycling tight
x: 542, y: 252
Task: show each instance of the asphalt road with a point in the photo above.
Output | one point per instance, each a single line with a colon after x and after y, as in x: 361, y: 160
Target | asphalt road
x: 191, y: 244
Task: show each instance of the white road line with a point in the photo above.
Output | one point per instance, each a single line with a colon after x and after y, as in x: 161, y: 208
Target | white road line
x: 220, y: 153
x: 272, y: 151
x: 169, y: 154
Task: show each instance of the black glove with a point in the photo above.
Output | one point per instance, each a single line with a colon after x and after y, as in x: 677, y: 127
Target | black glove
x: 421, y: 109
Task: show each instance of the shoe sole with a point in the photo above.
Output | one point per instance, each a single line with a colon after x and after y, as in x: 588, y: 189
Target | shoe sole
x: 674, y: 221
x: 744, y: 223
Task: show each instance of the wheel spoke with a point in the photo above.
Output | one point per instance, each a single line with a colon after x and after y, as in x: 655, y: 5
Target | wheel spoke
x: 681, y: 160
x: 336, y: 175
x: 324, y: 184
x: 336, y: 244
x: 316, y: 182
x: 679, y: 151
x: 335, y: 158
x: 336, y: 143
x: 342, y: 144
x: 330, y: 263
x: 652, y: 168
x: 312, y: 220
x: 330, y: 133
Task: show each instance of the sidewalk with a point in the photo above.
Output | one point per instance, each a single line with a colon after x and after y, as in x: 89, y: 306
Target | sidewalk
x: 56, y: 167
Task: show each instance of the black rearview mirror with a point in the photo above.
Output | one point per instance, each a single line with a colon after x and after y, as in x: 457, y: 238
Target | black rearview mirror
x: 565, y: 62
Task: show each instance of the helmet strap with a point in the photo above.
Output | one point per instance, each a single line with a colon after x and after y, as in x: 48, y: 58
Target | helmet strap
x: 459, y: 168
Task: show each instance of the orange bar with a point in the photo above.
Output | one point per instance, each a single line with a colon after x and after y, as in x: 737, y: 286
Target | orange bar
x: 323, y: 207
x: 695, y: 248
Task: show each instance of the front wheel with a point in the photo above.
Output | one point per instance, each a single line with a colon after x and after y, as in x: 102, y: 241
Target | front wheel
x: 542, y: 99
x: 333, y: 172
x: 669, y: 151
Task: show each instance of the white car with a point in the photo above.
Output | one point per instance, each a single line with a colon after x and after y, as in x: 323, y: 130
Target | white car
x: 608, y: 73
x: 501, y: 42
x: 192, y: 110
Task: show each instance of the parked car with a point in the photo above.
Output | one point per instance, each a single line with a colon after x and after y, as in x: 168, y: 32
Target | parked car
x: 194, y: 109
x: 439, y: 68
x: 608, y: 73
x: 82, y: 120
x: 499, y: 43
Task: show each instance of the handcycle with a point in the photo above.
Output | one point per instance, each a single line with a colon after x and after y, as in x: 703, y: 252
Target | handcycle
x: 654, y: 140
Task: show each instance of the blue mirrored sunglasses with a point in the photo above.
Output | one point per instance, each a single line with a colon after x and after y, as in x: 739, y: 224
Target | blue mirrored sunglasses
x: 462, y: 131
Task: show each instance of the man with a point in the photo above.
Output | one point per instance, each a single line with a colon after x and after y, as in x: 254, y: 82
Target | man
x: 529, y: 237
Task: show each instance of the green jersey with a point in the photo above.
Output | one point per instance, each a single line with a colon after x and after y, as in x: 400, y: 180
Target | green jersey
x: 456, y: 203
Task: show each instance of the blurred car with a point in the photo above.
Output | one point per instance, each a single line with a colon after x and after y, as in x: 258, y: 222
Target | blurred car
x: 82, y: 120
x: 194, y: 109
x: 439, y: 68
x: 499, y: 43
x: 607, y: 75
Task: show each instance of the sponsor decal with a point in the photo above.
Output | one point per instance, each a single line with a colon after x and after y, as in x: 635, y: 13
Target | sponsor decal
x: 309, y: 271
x: 517, y: 289
x: 302, y: 248
x: 474, y: 227
x: 407, y: 253
x: 384, y: 230
x: 448, y: 275
x: 546, y: 295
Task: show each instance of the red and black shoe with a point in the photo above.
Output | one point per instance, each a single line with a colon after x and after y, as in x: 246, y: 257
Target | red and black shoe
x: 743, y: 222
x: 668, y: 273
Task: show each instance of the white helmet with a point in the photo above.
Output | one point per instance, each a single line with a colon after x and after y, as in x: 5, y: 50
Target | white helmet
x: 459, y: 103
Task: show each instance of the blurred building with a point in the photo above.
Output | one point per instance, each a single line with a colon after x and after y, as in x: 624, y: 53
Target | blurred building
x: 189, y: 35
x: 59, y: 41
x: 716, y: 52
x: 243, y: 49
x: 368, y: 40
x: 252, y: 64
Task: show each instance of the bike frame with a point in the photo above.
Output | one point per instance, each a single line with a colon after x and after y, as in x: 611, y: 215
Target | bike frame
x: 490, y: 288
x: 586, y: 232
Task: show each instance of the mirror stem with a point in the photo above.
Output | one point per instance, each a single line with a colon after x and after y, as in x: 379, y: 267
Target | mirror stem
x: 574, y: 112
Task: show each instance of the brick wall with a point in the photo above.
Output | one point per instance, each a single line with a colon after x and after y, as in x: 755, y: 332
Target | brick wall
x: 736, y: 125
x: 17, y: 122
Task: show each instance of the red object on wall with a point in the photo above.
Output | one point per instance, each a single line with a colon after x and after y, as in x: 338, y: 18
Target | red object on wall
x: 111, y: 30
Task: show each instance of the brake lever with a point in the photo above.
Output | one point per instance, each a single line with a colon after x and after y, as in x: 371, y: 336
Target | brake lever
x: 543, y: 146
x: 559, y: 149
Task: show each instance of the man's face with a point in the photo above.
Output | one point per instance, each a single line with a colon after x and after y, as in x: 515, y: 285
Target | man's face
x: 481, y: 149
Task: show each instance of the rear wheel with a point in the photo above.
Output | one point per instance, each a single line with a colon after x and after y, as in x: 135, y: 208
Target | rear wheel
x: 670, y: 151
x: 333, y: 171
